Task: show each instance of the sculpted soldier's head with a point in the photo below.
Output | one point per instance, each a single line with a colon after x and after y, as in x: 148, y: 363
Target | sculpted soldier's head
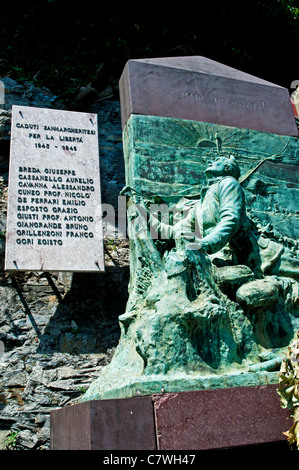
x: 224, y: 165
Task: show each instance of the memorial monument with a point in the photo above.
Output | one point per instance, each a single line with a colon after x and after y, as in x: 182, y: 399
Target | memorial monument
x: 216, y: 307
x: 211, y: 159
x: 54, y: 203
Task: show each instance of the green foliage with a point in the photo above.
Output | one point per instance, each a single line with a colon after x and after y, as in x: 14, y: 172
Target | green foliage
x: 289, y: 391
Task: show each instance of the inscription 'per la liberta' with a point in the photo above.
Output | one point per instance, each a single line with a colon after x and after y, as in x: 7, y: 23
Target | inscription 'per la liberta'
x: 54, y: 204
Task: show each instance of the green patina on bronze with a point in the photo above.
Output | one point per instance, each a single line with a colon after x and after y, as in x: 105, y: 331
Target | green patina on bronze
x: 217, y: 305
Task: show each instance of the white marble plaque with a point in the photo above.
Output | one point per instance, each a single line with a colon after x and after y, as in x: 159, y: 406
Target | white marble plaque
x: 54, y: 220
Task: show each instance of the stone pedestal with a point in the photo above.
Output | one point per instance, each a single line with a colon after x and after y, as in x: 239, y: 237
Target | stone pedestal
x: 227, y: 418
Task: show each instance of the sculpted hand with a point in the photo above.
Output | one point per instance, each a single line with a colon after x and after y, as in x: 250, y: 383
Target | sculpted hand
x: 194, y: 243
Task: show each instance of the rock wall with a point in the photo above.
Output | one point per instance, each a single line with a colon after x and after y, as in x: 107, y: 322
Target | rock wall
x: 57, y: 330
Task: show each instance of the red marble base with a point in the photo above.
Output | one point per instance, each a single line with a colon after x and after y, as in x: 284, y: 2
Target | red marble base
x: 197, y: 420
